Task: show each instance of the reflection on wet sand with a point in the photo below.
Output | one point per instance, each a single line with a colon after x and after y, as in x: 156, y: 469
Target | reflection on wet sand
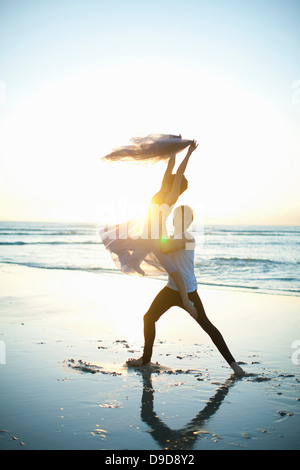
x: 185, y: 437
x: 167, y: 438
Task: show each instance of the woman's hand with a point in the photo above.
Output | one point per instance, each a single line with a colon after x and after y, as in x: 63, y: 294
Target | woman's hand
x: 193, y: 147
x: 191, y: 309
x: 187, y: 304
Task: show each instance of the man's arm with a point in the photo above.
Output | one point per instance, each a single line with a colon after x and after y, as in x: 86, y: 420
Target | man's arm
x: 186, y: 242
x: 168, y: 245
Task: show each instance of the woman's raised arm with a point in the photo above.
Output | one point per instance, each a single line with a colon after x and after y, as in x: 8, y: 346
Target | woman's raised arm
x: 175, y: 191
x: 168, y: 172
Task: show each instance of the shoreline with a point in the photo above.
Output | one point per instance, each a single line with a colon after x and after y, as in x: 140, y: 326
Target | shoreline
x: 205, y: 286
x: 65, y: 384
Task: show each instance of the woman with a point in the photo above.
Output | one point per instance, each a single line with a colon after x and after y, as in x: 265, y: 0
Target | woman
x: 163, y: 201
x: 137, y: 251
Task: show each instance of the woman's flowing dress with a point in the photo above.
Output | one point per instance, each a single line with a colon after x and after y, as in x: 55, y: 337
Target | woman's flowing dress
x: 135, y: 245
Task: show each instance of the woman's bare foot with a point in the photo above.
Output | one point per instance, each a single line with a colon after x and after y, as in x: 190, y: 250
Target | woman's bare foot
x: 135, y: 362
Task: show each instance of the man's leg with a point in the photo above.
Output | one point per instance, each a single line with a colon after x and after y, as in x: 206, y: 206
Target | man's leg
x: 164, y: 300
x: 210, y: 329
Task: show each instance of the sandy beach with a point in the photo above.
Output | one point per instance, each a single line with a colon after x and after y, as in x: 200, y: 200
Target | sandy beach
x: 65, y: 337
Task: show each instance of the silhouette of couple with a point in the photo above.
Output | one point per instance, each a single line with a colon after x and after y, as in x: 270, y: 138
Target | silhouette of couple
x: 150, y: 250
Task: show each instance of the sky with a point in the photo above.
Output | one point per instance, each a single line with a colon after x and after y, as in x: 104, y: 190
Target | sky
x: 81, y: 77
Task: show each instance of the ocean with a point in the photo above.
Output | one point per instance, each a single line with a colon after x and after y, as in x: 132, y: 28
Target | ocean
x: 262, y: 259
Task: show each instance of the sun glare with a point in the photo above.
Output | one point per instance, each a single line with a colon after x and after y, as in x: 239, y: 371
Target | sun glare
x: 68, y: 124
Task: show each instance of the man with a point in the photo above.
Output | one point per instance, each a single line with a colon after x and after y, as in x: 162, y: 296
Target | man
x: 181, y: 251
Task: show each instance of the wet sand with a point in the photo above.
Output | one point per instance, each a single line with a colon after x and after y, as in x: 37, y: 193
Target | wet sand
x: 65, y: 338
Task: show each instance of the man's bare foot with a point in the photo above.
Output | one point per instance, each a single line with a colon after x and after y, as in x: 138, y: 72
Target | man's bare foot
x: 237, y: 369
x: 135, y: 362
